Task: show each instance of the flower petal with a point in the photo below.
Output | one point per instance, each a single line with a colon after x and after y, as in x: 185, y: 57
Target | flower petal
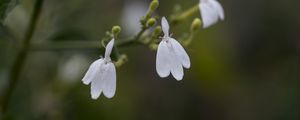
x: 177, y: 71
x: 96, y: 86
x: 92, y: 72
x: 218, y: 8
x: 180, y: 53
x: 208, y: 13
x: 109, y: 81
x: 165, y: 26
x: 176, y: 66
x: 163, y: 60
x: 109, y: 48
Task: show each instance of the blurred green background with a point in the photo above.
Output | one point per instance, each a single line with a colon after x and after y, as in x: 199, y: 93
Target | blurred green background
x: 244, y: 68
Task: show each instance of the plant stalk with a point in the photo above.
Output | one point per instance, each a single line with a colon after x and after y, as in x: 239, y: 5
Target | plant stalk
x: 21, y: 56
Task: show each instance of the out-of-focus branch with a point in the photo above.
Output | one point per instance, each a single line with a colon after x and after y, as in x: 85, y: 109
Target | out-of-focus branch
x: 18, y: 64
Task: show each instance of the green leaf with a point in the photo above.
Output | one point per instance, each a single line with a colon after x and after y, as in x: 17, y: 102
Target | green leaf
x: 6, y: 6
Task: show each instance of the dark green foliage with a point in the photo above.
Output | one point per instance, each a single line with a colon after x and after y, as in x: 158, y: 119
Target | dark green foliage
x: 6, y: 6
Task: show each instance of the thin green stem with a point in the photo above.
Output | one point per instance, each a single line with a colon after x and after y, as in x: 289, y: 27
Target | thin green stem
x: 18, y: 64
x: 139, y: 35
x: 76, y: 45
x: 186, y: 14
x: 189, y: 40
x: 83, y: 45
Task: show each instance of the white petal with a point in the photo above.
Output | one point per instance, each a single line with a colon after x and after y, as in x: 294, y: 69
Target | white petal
x: 177, y: 70
x: 109, y: 48
x: 92, y: 72
x: 218, y: 8
x: 176, y: 66
x: 165, y: 26
x: 96, y: 86
x: 109, y: 81
x: 208, y: 13
x: 180, y: 53
x: 211, y: 12
x: 96, y: 89
x: 163, y: 60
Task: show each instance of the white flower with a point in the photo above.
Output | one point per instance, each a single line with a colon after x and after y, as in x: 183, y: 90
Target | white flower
x: 102, y: 75
x: 171, y: 56
x: 211, y: 11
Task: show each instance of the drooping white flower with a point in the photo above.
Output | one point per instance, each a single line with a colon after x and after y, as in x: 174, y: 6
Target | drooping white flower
x: 211, y: 12
x: 102, y: 75
x: 171, y: 56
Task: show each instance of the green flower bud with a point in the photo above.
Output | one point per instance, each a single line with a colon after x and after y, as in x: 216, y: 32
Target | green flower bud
x: 154, y: 5
x: 151, y: 22
x: 157, y: 30
x: 196, y: 25
x: 143, y: 20
x: 116, y: 30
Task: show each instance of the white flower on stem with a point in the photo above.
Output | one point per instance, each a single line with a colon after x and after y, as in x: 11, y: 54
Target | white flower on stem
x: 171, y: 56
x: 211, y: 12
x: 102, y: 75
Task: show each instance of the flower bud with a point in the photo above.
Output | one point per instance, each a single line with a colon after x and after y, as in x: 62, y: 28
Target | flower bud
x: 151, y: 22
x: 157, y: 30
x: 116, y: 30
x: 154, y: 5
x: 196, y: 25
